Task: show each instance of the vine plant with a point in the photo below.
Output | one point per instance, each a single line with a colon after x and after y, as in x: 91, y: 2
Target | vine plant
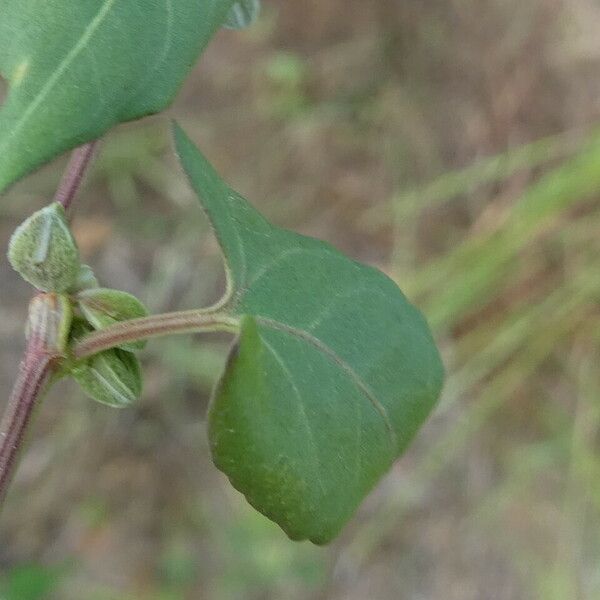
x: 331, y: 371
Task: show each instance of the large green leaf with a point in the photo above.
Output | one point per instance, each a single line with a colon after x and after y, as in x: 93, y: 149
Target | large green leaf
x: 330, y: 377
x: 78, y: 67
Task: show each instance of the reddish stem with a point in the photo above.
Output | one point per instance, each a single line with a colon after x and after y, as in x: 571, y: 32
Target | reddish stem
x: 38, y: 361
x: 187, y: 321
x: 73, y: 175
x: 34, y: 371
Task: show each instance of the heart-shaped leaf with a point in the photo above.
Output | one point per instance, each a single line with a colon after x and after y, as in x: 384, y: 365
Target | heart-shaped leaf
x: 332, y: 373
x: 76, y: 68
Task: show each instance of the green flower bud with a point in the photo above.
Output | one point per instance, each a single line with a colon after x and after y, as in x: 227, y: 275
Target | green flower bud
x: 85, y: 279
x: 103, y: 307
x: 43, y: 251
x: 50, y: 318
x: 242, y: 14
x: 112, y: 377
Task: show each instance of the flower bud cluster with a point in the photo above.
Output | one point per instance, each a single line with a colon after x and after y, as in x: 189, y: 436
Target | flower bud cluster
x: 43, y: 251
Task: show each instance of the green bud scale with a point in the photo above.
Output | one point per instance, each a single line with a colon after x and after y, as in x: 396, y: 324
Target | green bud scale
x: 49, y: 320
x: 102, y: 307
x: 112, y: 377
x: 42, y: 250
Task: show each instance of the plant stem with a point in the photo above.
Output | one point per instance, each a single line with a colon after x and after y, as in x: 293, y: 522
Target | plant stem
x: 34, y: 372
x: 188, y: 321
x: 73, y: 175
x: 39, y: 360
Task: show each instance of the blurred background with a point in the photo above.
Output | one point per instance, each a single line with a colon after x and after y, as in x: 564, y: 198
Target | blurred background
x: 453, y: 144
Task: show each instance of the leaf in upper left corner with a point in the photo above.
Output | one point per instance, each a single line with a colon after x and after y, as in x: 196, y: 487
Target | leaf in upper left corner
x: 77, y: 68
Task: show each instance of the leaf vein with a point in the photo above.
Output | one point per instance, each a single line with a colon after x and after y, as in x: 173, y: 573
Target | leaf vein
x: 271, y: 264
x: 289, y: 375
x: 342, y: 364
x: 168, y: 40
x: 240, y: 243
x: 60, y: 70
x: 336, y: 299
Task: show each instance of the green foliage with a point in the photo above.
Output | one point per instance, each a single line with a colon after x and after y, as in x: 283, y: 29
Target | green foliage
x: 331, y: 376
x: 332, y: 372
x: 30, y: 582
x: 42, y: 250
x: 75, y: 70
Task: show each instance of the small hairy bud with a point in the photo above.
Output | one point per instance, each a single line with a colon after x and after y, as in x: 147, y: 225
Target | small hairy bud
x: 112, y: 377
x: 43, y: 251
x: 103, y: 307
x: 49, y: 320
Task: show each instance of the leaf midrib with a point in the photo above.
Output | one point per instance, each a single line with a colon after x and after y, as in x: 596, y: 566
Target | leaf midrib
x: 59, y: 71
x: 165, y: 49
x: 234, y: 299
x: 341, y: 363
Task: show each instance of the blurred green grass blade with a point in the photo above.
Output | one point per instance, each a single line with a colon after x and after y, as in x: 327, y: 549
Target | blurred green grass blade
x: 489, y: 170
x: 30, y: 582
x: 471, y: 274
